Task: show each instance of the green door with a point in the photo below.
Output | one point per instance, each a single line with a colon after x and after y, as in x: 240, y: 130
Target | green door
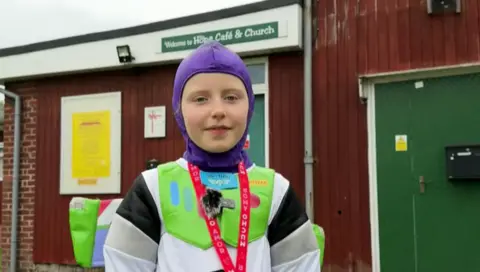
x: 256, y: 152
x: 435, y: 227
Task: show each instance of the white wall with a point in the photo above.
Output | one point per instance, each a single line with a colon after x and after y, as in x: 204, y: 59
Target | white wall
x: 146, y: 48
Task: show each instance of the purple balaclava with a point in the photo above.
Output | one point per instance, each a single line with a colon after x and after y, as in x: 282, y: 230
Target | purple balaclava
x: 212, y: 57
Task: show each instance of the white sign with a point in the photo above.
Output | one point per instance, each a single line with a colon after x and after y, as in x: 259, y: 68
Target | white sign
x: 155, y: 122
x: 418, y: 84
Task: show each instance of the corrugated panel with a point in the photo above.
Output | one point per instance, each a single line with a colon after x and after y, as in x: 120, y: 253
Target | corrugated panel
x: 141, y: 88
x: 367, y: 36
x: 286, y: 118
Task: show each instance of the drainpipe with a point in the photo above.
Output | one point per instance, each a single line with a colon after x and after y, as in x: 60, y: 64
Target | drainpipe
x: 307, y: 92
x: 15, y: 179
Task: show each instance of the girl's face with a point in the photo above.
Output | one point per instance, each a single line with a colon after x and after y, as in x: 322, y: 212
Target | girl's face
x: 215, y: 110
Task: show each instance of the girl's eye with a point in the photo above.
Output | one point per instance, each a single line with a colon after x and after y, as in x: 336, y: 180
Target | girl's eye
x: 231, y: 98
x: 200, y: 99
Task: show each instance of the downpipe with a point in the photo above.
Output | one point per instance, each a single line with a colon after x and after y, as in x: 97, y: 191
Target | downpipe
x: 307, y: 77
x: 15, y: 178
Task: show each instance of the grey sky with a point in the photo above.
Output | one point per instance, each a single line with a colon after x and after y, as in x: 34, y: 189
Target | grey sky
x: 29, y: 21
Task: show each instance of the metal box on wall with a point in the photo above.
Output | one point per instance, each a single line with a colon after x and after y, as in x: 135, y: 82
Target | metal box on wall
x: 463, y: 162
x: 443, y: 6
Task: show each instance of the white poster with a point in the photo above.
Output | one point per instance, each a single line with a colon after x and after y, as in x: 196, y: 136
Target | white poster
x: 155, y: 122
x: 90, y: 150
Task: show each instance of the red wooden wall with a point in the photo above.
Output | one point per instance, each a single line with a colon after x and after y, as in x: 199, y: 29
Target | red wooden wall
x: 357, y: 37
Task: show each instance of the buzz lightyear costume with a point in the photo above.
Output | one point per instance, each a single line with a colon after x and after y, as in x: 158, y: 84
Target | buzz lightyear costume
x: 251, y: 220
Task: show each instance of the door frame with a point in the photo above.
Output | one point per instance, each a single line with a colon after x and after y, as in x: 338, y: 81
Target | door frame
x: 264, y: 90
x: 366, y: 91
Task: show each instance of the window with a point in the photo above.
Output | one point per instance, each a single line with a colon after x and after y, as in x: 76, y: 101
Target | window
x: 257, y: 73
x: 258, y: 70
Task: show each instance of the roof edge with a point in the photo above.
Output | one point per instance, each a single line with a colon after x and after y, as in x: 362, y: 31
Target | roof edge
x: 149, y: 28
x: 132, y: 67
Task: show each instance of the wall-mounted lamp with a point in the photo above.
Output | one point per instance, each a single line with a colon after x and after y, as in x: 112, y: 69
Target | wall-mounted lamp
x: 124, y: 54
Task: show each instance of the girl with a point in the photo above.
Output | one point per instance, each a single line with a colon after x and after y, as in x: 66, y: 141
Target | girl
x: 213, y: 209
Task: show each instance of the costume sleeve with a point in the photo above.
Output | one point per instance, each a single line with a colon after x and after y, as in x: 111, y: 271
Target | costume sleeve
x: 134, y: 235
x: 293, y: 244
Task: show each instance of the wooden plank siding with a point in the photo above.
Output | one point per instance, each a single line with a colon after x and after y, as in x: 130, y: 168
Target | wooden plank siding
x: 141, y: 88
x: 357, y: 37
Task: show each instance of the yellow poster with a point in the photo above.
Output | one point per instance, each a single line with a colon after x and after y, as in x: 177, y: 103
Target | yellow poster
x: 90, y: 145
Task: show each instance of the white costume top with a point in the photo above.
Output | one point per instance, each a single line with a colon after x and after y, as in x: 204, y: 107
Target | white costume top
x: 136, y: 241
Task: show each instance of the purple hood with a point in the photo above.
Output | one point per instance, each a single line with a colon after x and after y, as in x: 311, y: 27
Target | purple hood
x: 212, y: 57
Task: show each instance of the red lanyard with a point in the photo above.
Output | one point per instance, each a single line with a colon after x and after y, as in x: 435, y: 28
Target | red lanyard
x: 212, y: 223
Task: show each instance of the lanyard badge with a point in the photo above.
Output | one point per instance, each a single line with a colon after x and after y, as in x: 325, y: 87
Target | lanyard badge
x: 213, y: 202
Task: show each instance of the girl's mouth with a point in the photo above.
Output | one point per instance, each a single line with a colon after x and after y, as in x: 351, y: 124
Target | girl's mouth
x: 218, y: 130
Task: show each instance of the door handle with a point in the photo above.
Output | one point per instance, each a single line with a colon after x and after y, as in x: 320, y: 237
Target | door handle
x: 421, y: 181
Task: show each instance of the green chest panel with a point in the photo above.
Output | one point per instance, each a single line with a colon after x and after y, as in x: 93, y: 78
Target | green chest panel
x: 181, y: 212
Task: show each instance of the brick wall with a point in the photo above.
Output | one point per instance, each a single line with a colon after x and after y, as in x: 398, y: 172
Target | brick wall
x: 27, y: 183
x: 27, y: 188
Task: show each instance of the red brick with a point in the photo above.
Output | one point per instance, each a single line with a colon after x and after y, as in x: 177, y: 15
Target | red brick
x: 27, y: 184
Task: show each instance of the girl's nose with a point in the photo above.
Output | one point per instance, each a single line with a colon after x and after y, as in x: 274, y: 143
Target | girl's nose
x: 218, y: 111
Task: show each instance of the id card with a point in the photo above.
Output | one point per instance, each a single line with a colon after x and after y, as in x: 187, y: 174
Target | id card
x: 219, y: 181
